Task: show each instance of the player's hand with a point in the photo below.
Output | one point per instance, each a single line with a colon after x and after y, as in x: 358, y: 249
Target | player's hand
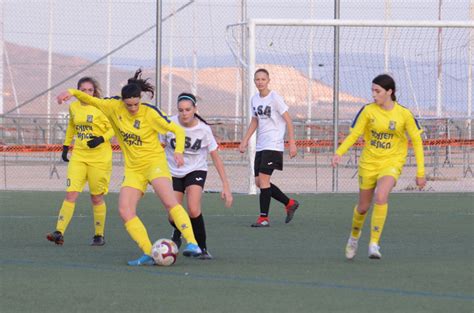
x: 178, y: 158
x: 420, y: 182
x: 63, y: 96
x: 64, y: 154
x: 243, y: 146
x: 226, y: 195
x: 95, y: 141
x: 293, y: 150
x: 336, y: 159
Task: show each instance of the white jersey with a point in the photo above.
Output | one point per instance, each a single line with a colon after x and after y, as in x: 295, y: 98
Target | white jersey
x: 199, y: 142
x: 271, y: 125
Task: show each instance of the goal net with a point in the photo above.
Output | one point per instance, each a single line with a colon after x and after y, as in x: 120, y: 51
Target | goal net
x: 431, y: 62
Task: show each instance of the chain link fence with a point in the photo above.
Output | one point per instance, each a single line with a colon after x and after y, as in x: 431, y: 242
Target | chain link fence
x: 47, y: 45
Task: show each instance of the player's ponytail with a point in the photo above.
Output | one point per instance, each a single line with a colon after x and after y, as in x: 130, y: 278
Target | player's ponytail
x: 136, y: 85
x: 386, y: 82
x: 190, y: 97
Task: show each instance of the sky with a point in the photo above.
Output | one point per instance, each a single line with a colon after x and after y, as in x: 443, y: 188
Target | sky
x: 81, y: 27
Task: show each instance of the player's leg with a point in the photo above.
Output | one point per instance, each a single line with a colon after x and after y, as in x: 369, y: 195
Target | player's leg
x: 385, y: 185
x: 133, y: 186
x: 99, y: 179
x: 176, y: 236
x: 164, y: 190
x: 262, y: 220
x: 367, y: 185
x: 263, y: 180
x: 195, y: 182
x: 179, y: 188
x: 99, y: 209
x: 273, y: 160
x: 75, y: 181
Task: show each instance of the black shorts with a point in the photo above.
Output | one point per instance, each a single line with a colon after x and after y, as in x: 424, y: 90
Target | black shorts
x: 266, y: 161
x: 193, y: 178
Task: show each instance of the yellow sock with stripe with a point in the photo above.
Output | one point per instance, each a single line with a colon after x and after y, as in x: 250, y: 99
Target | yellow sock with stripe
x: 357, y: 223
x: 100, y: 212
x: 378, y: 220
x: 137, y: 231
x: 181, y: 219
x: 65, y: 215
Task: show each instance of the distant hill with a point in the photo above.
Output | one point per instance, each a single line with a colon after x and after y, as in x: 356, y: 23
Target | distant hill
x: 217, y: 86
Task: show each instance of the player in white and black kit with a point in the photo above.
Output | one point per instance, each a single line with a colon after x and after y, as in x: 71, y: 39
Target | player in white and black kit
x: 190, y: 178
x: 270, y: 119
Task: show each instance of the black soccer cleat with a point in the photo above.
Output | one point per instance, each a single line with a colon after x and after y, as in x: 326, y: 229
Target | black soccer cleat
x: 176, y: 238
x: 98, y: 240
x: 56, y: 237
x: 205, y: 255
x: 290, y: 210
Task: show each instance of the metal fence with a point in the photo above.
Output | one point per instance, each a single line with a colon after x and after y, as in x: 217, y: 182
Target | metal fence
x: 43, y: 42
x: 28, y: 163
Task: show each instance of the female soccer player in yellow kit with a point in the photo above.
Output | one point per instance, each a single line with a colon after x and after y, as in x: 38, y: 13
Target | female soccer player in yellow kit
x: 91, y: 162
x: 384, y: 124
x: 137, y: 126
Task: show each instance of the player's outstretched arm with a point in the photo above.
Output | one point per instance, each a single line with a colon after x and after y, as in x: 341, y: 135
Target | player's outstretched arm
x: 63, y: 97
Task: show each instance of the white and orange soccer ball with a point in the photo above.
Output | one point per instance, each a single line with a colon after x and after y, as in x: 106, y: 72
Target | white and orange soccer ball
x: 164, y: 252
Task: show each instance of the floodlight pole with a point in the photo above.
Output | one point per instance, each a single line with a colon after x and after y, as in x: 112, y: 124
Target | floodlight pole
x: 50, y: 69
x: 158, y: 54
x: 337, y: 15
x: 109, y: 57
x: 2, y: 91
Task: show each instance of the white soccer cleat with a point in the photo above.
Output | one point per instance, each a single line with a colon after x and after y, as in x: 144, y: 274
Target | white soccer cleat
x: 351, y: 247
x: 374, y: 251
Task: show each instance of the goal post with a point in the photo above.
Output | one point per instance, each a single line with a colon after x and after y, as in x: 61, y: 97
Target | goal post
x: 431, y: 62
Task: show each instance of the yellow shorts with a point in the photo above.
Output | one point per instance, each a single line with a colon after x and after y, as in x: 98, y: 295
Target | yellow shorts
x: 139, y: 179
x: 368, y: 179
x: 98, y: 178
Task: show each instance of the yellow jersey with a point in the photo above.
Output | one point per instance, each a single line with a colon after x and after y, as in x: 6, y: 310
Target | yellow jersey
x: 86, y: 121
x: 385, y: 137
x: 137, y: 134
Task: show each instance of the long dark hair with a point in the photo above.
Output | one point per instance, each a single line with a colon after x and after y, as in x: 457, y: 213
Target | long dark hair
x: 87, y: 79
x: 190, y: 97
x: 386, y: 82
x: 136, y: 85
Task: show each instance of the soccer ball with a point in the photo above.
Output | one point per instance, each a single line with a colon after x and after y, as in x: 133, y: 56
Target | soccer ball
x: 164, y: 252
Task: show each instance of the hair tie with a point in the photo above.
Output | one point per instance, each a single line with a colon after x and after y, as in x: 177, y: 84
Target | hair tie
x: 187, y: 98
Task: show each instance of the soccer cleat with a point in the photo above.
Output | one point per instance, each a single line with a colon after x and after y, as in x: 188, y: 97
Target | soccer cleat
x: 205, y: 255
x: 56, y: 237
x: 98, y: 240
x: 374, y: 251
x: 176, y: 238
x: 290, y: 210
x: 192, y: 250
x: 261, y: 222
x: 143, y: 260
x: 351, y: 248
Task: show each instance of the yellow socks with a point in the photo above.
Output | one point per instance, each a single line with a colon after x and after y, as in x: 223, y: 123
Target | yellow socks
x: 65, y: 215
x: 183, y: 223
x: 378, y: 220
x: 99, y: 218
x: 137, y: 231
x: 357, y: 223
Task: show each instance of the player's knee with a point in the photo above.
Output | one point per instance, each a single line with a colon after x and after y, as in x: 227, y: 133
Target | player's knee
x: 194, y: 212
x: 363, y: 208
x: 257, y: 183
x: 71, y: 196
x: 381, y: 197
x: 126, y: 213
x: 97, y: 199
